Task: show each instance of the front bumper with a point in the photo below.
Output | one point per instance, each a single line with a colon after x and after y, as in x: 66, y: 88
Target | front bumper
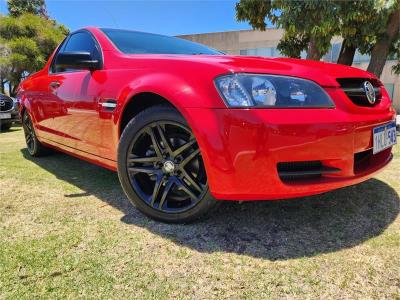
x: 14, y: 117
x: 242, y: 148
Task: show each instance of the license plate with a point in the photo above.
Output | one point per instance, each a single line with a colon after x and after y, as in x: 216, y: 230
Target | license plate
x: 384, y: 137
x: 5, y: 116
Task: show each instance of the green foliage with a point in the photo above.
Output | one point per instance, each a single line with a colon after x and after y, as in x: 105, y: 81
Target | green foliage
x: 292, y: 45
x: 359, y: 22
x: 20, y: 7
x: 255, y: 12
x: 395, y: 53
x: 27, y: 42
x: 304, y: 22
x: 310, y: 25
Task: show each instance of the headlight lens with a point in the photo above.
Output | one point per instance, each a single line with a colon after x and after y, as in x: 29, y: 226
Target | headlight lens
x: 253, y: 90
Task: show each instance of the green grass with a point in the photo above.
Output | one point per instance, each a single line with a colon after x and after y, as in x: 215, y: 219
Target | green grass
x: 67, y: 231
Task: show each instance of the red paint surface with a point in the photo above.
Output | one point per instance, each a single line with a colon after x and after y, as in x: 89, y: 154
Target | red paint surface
x: 240, y: 147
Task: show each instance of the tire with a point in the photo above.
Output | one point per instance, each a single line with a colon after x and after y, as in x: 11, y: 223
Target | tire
x: 5, y: 127
x: 35, y: 147
x: 160, y: 167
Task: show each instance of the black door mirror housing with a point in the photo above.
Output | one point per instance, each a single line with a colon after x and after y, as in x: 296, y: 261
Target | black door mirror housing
x: 77, y: 60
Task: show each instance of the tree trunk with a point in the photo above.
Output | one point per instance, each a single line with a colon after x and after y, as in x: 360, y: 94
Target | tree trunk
x: 13, y: 92
x: 313, y: 51
x: 346, y: 54
x: 380, y: 50
x: 2, y: 86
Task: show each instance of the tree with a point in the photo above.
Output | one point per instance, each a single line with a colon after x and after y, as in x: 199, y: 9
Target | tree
x: 357, y: 25
x: 309, y: 24
x: 4, y: 66
x: 395, y: 52
x: 370, y: 26
x: 386, y: 41
x: 35, y: 7
x: 27, y: 42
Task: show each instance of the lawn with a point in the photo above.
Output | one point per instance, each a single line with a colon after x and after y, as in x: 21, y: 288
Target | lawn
x: 68, y: 231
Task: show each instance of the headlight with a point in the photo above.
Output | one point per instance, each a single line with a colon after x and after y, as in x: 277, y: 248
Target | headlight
x: 253, y: 90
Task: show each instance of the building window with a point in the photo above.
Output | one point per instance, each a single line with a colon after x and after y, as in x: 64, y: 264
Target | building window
x: 268, y: 51
x: 333, y: 53
x: 360, y: 58
x: 390, y: 89
x: 336, y: 51
x: 331, y: 56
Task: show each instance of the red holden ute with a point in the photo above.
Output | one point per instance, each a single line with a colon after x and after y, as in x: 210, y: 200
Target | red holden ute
x: 185, y: 125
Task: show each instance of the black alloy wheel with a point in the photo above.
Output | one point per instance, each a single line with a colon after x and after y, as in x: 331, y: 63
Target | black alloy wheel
x: 35, y: 148
x: 29, y: 133
x: 162, y: 163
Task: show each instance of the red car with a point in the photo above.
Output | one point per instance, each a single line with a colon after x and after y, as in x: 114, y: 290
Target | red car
x: 185, y: 125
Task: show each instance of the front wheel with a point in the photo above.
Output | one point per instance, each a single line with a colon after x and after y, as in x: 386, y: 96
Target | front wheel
x: 161, y: 169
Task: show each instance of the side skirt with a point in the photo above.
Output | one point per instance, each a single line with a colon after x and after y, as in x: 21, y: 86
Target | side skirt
x: 97, y: 160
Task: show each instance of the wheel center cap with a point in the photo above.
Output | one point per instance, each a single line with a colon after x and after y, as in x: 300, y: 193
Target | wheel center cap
x: 169, y: 166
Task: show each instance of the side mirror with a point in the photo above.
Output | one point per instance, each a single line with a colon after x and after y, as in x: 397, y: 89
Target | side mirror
x: 77, y: 60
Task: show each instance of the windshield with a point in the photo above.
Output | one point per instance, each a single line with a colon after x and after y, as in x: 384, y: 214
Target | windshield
x: 133, y: 42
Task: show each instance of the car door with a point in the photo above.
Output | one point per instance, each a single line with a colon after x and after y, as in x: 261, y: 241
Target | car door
x: 85, y: 125
x: 47, y: 101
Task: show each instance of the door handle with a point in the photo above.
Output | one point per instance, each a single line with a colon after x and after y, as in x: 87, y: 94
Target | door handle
x: 54, y: 84
x: 106, y: 104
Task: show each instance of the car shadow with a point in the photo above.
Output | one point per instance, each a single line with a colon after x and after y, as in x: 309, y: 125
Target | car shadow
x: 15, y: 127
x: 272, y: 230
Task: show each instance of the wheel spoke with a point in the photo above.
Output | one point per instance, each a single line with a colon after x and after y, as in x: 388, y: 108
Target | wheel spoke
x: 167, y: 147
x: 167, y: 188
x: 183, y: 148
x: 134, y: 159
x: 191, y: 180
x: 27, y: 122
x: 156, y: 189
x: 185, y: 188
x: 189, y: 157
x: 146, y: 170
x: 28, y: 139
x: 154, y: 141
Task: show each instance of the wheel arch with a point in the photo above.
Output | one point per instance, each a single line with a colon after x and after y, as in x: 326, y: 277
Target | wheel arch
x: 141, y: 101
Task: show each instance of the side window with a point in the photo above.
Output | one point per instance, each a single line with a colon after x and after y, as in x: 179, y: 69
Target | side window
x: 80, y: 41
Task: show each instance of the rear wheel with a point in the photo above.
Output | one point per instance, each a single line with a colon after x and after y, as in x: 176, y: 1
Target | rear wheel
x: 161, y: 169
x: 35, y: 148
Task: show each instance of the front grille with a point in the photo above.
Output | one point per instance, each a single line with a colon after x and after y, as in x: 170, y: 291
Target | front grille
x: 6, y: 103
x: 300, y: 170
x: 354, y: 90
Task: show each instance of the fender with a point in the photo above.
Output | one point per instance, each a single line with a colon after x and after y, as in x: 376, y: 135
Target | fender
x: 174, y: 89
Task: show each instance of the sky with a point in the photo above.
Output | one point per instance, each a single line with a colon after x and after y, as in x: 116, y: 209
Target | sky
x: 170, y: 17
